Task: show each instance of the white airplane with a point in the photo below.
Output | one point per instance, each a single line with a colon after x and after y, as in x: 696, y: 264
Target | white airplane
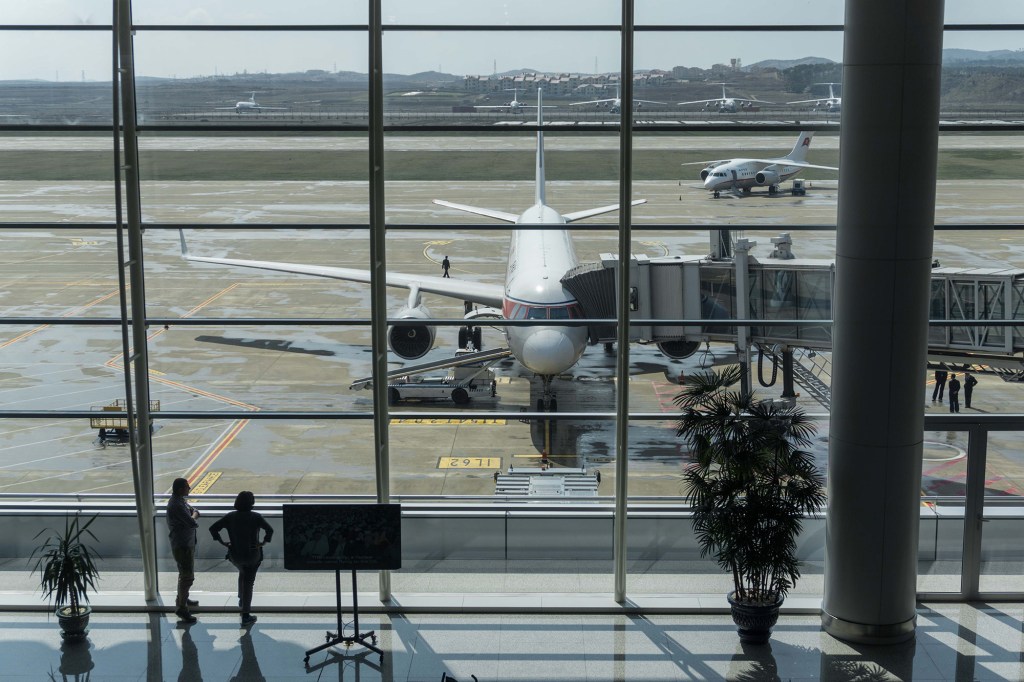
x: 726, y: 104
x: 537, y: 261
x: 250, y: 105
x: 831, y: 104
x: 615, y: 102
x: 744, y: 174
x: 515, y: 106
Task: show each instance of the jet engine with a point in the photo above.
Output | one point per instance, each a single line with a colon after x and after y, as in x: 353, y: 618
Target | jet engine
x: 706, y: 172
x: 678, y: 349
x: 767, y: 177
x: 411, y: 341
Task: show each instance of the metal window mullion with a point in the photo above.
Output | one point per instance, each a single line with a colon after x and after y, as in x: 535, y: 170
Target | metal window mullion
x: 142, y: 453
x: 622, y: 356
x: 974, y: 512
x: 378, y: 271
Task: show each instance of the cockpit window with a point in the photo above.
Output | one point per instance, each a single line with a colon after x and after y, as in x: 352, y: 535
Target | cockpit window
x: 558, y: 313
x: 538, y: 314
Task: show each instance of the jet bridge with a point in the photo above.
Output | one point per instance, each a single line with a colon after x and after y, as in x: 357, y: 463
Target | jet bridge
x: 785, y: 288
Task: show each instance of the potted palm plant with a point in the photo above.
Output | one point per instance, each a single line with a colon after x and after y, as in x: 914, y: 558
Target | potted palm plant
x: 751, y: 482
x: 67, y: 571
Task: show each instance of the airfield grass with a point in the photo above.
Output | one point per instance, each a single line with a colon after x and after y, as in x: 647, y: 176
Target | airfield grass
x: 434, y: 165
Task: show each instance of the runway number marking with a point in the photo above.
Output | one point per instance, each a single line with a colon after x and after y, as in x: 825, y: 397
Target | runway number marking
x: 469, y: 463
x: 205, y: 483
x: 449, y: 422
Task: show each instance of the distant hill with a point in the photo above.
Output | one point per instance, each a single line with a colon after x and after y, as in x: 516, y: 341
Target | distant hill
x: 783, y: 64
x: 958, y: 57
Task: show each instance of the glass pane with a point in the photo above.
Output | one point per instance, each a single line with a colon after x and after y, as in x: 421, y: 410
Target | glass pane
x: 271, y: 179
x: 943, y: 487
x: 81, y: 12
x: 59, y: 273
x: 696, y: 14
x: 1002, y: 549
x: 523, y: 12
x: 252, y: 12
x: 247, y: 77
x: 45, y: 86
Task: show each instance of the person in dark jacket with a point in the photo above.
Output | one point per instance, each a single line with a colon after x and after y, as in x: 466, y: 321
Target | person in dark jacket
x: 182, y: 524
x: 969, y: 383
x: 940, y: 384
x: 954, y: 393
x: 245, y: 550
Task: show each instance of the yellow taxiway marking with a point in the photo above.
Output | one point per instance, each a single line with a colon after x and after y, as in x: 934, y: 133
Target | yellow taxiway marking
x: 205, y: 483
x: 469, y: 463
x: 449, y: 422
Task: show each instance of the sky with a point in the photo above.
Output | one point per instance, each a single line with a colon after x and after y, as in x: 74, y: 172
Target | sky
x: 79, y: 55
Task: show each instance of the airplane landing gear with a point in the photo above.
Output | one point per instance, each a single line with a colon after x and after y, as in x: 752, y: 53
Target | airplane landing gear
x: 468, y: 335
x: 717, y: 194
x: 547, y: 402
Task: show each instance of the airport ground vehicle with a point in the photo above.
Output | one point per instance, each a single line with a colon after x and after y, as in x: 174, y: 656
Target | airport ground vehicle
x: 460, y: 385
x: 114, y: 428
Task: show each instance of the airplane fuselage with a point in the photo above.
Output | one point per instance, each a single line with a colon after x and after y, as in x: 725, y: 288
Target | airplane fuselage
x: 741, y: 174
x: 538, y: 259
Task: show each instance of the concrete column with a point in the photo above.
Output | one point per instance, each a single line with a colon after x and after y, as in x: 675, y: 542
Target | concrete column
x: 889, y: 141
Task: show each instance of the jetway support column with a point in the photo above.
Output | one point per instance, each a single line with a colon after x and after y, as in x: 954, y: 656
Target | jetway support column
x: 787, y: 373
x: 892, y: 54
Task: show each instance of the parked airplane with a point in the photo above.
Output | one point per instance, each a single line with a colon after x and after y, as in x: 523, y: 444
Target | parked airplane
x: 726, y: 104
x: 537, y: 261
x: 251, y: 105
x: 744, y: 174
x: 615, y: 102
x: 830, y: 104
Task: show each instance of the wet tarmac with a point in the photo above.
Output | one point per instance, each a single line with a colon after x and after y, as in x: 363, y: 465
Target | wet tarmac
x: 50, y: 272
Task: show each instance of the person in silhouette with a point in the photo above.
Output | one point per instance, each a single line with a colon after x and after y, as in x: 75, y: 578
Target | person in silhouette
x: 445, y: 264
x: 182, y: 524
x: 940, y: 384
x: 969, y: 383
x: 954, y: 393
x: 245, y: 550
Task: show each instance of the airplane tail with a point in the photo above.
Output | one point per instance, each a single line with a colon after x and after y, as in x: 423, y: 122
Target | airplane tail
x: 803, y: 143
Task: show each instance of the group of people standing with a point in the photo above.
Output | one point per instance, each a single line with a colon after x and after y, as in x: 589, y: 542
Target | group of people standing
x: 941, y: 377
x: 245, y: 549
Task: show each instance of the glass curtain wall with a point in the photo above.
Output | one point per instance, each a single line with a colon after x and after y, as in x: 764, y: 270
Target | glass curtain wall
x: 255, y: 131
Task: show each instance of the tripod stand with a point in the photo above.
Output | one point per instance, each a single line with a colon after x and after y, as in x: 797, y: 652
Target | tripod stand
x: 332, y: 638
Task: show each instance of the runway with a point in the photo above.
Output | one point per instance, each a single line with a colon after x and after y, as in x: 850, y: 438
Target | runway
x: 259, y: 368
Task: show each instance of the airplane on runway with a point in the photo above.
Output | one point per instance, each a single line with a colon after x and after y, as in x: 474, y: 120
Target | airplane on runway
x: 615, y: 102
x: 515, y: 106
x: 537, y: 262
x: 726, y: 104
x: 744, y: 174
x: 250, y: 105
x: 831, y: 104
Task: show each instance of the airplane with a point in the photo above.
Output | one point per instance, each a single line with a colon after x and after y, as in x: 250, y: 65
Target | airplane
x: 616, y: 102
x: 744, y: 174
x: 726, y: 104
x: 831, y: 104
x: 515, y: 106
x: 532, y: 290
x: 250, y: 105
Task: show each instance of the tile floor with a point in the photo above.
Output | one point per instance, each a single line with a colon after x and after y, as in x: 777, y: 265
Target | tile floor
x: 953, y: 642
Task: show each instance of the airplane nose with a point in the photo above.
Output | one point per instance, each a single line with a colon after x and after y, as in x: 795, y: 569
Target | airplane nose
x: 547, y: 351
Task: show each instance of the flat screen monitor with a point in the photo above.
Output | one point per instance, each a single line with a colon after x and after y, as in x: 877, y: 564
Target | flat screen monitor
x: 321, y: 537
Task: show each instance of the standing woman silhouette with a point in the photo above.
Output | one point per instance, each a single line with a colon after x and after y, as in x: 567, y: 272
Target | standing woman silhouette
x: 245, y: 550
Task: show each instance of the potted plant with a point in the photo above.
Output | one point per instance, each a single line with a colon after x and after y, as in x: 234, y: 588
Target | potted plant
x: 67, y: 570
x: 750, y: 484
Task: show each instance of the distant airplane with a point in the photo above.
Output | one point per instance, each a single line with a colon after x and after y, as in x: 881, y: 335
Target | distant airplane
x: 250, y: 105
x: 744, y: 174
x: 831, y: 104
x: 726, y: 104
x: 615, y: 102
x: 533, y: 290
x: 514, y: 106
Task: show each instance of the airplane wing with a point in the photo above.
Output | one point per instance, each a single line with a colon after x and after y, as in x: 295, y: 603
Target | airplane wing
x: 701, y: 101
x: 488, y: 212
x: 788, y: 162
x: 580, y: 215
x: 705, y: 163
x: 479, y: 292
x: 806, y: 101
x: 647, y: 101
x: 593, y: 101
